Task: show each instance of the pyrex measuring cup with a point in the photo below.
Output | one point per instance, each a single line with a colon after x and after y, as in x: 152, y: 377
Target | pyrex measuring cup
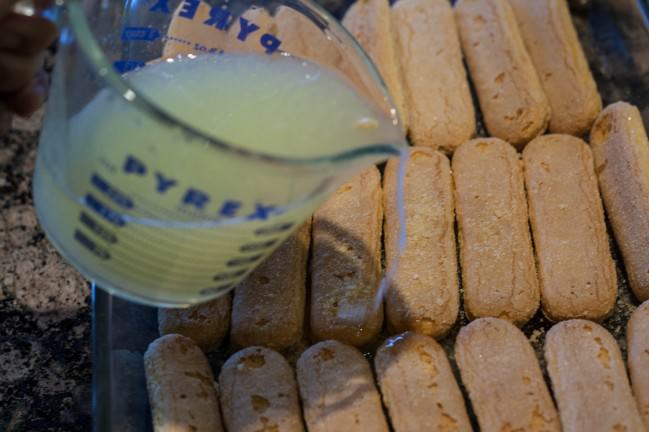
x: 185, y: 140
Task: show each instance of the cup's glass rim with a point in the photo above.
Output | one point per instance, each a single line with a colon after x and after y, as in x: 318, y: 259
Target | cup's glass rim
x: 98, y: 60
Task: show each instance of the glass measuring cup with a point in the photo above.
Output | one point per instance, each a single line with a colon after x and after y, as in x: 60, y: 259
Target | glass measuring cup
x: 185, y: 140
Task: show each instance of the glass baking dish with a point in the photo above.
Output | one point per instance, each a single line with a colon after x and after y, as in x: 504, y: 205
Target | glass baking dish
x: 615, y: 37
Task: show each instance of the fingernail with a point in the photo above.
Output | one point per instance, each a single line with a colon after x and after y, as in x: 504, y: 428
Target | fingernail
x: 9, y: 41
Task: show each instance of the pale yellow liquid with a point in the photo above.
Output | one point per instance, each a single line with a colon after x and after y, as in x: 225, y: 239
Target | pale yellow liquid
x: 168, y: 251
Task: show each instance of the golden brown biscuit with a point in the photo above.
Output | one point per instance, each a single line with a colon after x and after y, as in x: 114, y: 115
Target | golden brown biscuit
x: 370, y: 22
x: 346, y: 263
x: 621, y: 152
x: 637, y: 336
x: 589, y: 379
x: 259, y: 393
x: 337, y: 389
x: 242, y: 37
x: 301, y: 37
x: 268, y: 307
x: 440, y: 109
x: 206, y: 323
x: 498, y: 269
x: 514, y: 105
x: 576, y: 271
x: 503, y: 378
x: 553, y: 45
x: 181, y: 387
x: 424, y: 295
x: 189, y: 36
x: 418, y: 385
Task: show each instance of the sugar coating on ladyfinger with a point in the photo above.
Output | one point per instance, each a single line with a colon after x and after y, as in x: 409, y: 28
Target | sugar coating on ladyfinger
x: 181, y: 387
x: 370, y: 22
x: 440, y: 108
x: 621, y: 152
x: 206, y: 323
x: 424, y: 295
x: 503, y: 378
x: 576, y: 271
x: 346, y: 263
x: 637, y: 336
x: 589, y: 379
x: 418, y: 385
x: 268, y: 306
x: 338, y: 391
x: 513, y: 103
x: 259, y: 392
x: 553, y: 45
x: 497, y: 259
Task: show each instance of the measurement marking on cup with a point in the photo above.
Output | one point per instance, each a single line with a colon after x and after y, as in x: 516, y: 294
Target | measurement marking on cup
x: 91, y: 245
x: 97, y: 228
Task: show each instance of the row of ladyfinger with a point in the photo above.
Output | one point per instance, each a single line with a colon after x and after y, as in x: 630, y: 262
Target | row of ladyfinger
x: 569, y: 269
x: 257, y: 388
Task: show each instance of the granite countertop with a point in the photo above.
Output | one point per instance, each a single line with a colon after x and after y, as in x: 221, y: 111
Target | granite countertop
x: 45, y: 378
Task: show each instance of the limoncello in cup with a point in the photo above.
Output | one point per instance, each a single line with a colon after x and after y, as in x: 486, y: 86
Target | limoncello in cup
x: 170, y: 182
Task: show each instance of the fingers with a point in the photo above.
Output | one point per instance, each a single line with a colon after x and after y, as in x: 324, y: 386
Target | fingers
x: 7, y: 6
x: 28, y: 35
x: 27, y: 100
x: 17, y: 70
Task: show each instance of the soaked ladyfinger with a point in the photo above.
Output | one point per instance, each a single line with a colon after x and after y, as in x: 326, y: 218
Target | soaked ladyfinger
x: 424, y: 295
x: 621, y: 152
x: 206, y: 324
x: 268, y: 306
x: 338, y: 391
x: 503, y: 378
x: 553, y: 45
x: 186, y: 33
x: 259, y: 393
x: 637, y: 336
x: 497, y: 259
x: 512, y: 99
x: 346, y: 263
x: 418, y: 385
x: 440, y: 110
x: 181, y: 387
x: 576, y: 271
x: 589, y: 380
x: 370, y: 22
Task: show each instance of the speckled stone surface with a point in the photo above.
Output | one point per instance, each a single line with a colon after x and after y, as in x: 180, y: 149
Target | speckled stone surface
x: 45, y: 370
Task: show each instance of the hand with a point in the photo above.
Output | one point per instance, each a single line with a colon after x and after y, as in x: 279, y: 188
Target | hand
x: 23, y: 41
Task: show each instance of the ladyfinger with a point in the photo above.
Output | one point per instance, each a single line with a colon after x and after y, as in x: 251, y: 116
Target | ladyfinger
x: 503, y: 378
x: 337, y: 389
x: 303, y: 38
x: 346, y: 263
x: 418, y: 385
x: 440, y: 109
x: 637, y: 336
x: 576, y: 271
x: 498, y: 269
x: 621, y: 152
x: 553, y: 45
x: 181, y: 387
x: 424, y: 295
x: 589, y: 380
x: 268, y: 306
x: 243, y: 37
x: 511, y: 97
x: 370, y: 22
x: 187, y: 35
x: 259, y: 392
x: 206, y: 324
